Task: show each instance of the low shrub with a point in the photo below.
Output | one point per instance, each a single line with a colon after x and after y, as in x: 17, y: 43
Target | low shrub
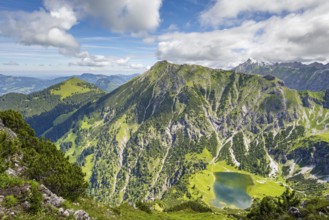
x: 143, y: 207
x: 10, y: 201
x: 193, y: 205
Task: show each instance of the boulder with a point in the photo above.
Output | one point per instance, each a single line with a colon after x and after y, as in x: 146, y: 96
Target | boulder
x: 81, y: 215
x: 294, y: 211
x: 50, y: 198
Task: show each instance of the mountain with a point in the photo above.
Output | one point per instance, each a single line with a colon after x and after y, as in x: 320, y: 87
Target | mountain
x: 110, y: 83
x: 314, y: 77
x: 27, y: 85
x: 44, y: 109
x: 167, y: 133
x: 38, y: 182
x: 106, y: 83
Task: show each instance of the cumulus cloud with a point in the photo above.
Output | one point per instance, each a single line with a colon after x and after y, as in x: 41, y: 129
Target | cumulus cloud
x: 50, y: 26
x: 45, y: 28
x: 85, y: 59
x: 91, y: 60
x: 135, y: 16
x: 300, y: 36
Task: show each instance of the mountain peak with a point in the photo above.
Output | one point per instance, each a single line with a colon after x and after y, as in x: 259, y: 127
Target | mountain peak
x: 258, y: 62
x: 73, y: 86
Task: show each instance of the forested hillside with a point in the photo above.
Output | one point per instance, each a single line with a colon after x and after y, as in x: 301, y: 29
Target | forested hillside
x: 47, y: 108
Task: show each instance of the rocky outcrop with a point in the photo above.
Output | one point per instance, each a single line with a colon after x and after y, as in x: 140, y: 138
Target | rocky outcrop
x: 8, y: 131
x: 23, y: 194
x: 313, y: 154
x: 81, y: 215
x: 294, y: 212
x: 78, y: 215
x: 50, y: 198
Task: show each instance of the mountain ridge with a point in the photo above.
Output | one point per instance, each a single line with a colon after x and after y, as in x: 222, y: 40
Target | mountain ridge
x: 27, y: 85
x: 296, y: 75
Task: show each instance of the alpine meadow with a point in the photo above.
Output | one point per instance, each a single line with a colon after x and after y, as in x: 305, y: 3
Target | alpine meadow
x: 164, y: 110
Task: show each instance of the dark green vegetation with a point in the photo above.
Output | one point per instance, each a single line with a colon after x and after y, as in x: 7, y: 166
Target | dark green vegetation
x: 289, y: 206
x: 44, y: 163
x: 27, y: 85
x: 45, y: 109
x: 148, y: 139
x: 314, y: 77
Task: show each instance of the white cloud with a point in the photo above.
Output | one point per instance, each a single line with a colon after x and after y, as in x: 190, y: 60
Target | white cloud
x: 50, y: 26
x: 99, y: 60
x: 149, y: 39
x: 45, y: 28
x: 123, y: 61
x: 172, y: 28
x: 138, y: 66
x: 230, y: 12
x: 296, y: 36
x: 91, y: 61
x: 132, y: 16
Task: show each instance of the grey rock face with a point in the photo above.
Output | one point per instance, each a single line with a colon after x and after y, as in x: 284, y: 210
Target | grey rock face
x: 7, y: 130
x: 51, y: 198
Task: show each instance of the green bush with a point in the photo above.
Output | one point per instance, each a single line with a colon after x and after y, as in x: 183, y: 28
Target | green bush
x: 45, y: 163
x: 8, y: 181
x: 36, y: 198
x: 143, y: 207
x: 9, y: 201
x: 274, y: 207
x: 193, y: 205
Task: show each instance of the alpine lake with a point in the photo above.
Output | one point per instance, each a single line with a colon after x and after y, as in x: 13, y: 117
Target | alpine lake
x: 231, y: 190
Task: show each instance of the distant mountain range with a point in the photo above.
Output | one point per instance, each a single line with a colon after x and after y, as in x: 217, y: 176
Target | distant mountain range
x: 26, y: 85
x: 296, y: 75
x: 44, y: 109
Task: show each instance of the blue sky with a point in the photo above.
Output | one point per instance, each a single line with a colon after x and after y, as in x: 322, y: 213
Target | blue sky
x: 62, y: 37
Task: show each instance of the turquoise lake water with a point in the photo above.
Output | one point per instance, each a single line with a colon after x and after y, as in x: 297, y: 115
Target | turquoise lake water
x: 231, y: 190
